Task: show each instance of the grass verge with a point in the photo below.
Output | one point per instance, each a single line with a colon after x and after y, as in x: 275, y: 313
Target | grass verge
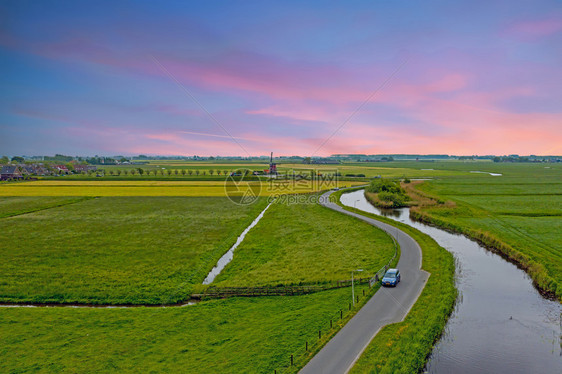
x: 404, y: 347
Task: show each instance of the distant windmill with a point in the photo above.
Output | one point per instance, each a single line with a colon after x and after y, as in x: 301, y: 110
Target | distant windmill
x: 272, y: 167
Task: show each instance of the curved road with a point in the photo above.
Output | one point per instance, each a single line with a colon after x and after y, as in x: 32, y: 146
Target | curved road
x: 385, y: 307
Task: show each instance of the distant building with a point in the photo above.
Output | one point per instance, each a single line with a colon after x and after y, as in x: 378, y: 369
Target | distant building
x: 325, y: 162
x: 61, y: 169
x: 28, y: 169
x: 84, y: 168
x: 10, y: 172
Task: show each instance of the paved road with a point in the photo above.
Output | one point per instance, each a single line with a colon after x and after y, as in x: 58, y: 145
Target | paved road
x: 388, y: 305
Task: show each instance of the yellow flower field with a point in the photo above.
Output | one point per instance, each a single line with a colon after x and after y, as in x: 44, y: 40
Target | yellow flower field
x: 160, y: 188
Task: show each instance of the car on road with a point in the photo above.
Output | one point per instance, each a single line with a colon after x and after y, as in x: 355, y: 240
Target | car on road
x: 391, y: 277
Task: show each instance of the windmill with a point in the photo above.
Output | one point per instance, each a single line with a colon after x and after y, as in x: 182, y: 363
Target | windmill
x: 272, y: 167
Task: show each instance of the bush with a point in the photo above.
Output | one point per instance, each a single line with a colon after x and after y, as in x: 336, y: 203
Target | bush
x: 354, y: 175
x: 385, y: 185
x: 388, y: 192
x: 397, y: 200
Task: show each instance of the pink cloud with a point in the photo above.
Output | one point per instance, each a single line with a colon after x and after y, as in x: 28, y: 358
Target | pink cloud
x: 177, y: 111
x: 277, y: 80
x: 233, y: 70
x: 448, y: 83
x: 533, y: 29
x: 464, y: 130
x: 301, y: 112
x: 179, y: 143
x: 47, y: 116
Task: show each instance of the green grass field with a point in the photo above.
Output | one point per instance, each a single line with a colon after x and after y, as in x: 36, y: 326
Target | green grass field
x: 239, y: 335
x: 518, y: 213
x: 151, y: 250
x: 13, y: 206
x: 115, y: 249
x: 306, y: 243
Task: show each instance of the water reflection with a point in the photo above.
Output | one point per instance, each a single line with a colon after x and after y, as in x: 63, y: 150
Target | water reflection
x: 390, y: 213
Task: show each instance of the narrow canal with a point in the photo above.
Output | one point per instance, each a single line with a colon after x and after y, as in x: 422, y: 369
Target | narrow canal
x: 501, y: 323
x: 229, y: 255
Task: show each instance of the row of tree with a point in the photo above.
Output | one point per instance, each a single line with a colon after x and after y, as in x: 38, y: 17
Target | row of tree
x: 165, y: 172
x: 200, y: 172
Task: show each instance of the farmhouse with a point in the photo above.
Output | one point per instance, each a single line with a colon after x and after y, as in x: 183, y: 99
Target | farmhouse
x: 28, y: 169
x: 61, y: 169
x: 10, y: 172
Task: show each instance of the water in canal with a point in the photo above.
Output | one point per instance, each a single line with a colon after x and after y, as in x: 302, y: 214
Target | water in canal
x: 501, y: 324
x: 229, y: 255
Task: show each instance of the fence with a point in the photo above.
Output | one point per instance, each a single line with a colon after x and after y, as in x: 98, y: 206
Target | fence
x: 314, y: 346
x: 314, y: 342
x: 281, y: 290
x: 379, y: 274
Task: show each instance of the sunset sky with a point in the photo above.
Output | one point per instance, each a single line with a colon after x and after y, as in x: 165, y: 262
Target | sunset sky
x: 181, y: 78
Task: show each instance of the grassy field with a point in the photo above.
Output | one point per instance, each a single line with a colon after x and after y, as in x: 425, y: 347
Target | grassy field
x: 151, y: 250
x: 13, y: 206
x: 385, y: 170
x: 403, y: 347
x: 517, y: 213
x: 306, y: 243
x: 115, y: 249
x: 244, y: 335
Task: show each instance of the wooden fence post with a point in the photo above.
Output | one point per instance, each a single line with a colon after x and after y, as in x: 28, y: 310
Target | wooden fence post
x: 291, y: 360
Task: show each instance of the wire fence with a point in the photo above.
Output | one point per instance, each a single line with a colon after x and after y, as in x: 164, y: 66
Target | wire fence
x: 379, y: 274
x: 329, y: 328
x: 214, y: 292
x: 309, y: 348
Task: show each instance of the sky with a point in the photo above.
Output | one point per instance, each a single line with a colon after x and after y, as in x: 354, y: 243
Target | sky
x: 305, y: 78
